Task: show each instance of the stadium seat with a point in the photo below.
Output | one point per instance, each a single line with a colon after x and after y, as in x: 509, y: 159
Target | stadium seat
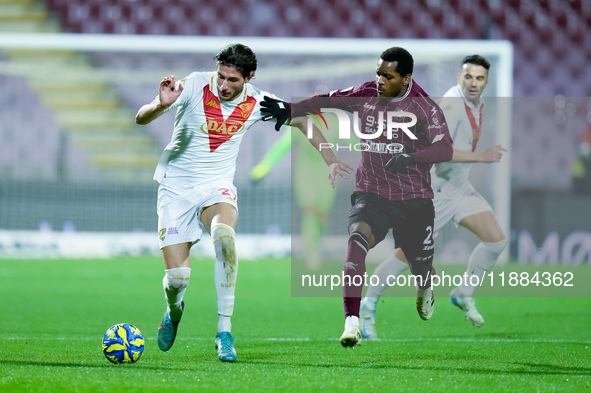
x: 551, y: 51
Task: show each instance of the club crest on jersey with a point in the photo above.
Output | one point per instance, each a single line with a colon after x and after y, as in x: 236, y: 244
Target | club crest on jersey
x: 162, y: 233
x: 246, y: 109
x: 360, y: 205
x: 435, y: 123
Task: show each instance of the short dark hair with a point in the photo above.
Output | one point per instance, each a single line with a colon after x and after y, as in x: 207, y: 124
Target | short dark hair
x: 238, y: 56
x: 476, y: 60
x: 405, y: 61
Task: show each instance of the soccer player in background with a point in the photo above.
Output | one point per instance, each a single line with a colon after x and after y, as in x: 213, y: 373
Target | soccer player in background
x: 196, y: 171
x: 455, y: 198
x: 392, y: 190
x: 314, y: 196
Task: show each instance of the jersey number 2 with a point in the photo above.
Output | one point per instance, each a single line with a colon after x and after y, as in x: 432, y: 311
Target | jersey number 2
x: 429, y: 238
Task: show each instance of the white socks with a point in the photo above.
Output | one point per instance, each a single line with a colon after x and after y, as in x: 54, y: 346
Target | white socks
x: 391, y: 266
x: 175, y: 283
x: 225, y: 270
x: 352, y: 320
x: 224, y: 324
x: 482, y: 259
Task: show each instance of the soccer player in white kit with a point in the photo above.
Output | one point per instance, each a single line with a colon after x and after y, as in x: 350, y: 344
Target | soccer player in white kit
x: 213, y: 112
x: 455, y: 198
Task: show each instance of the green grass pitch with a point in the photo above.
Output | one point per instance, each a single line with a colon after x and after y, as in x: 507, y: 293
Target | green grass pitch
x: 54, y: 314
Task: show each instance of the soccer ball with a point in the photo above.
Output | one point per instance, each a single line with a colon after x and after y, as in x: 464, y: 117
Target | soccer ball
x: 123, y: 343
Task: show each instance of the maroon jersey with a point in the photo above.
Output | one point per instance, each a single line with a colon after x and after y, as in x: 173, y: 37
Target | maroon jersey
x: 433, y: 143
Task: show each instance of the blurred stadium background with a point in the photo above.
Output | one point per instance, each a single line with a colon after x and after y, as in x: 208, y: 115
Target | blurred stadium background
x: 74, y: 162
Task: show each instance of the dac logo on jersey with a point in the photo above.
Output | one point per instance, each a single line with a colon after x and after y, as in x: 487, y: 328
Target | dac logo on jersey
x: 161, y: 233
x: 217, y: 127
x: 173, y: 231
x: 245, y: 109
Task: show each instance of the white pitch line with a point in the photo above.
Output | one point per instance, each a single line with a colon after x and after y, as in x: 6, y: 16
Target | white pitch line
x: 430, y: 339
x: 307, y: 339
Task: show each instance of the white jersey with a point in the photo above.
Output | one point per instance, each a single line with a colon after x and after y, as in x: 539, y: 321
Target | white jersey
x: 464, y: 120
x: 207, y: 132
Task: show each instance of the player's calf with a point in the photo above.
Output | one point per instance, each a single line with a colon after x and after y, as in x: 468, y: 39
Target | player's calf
x: 482, y: 259
x: 225, y: 249
x: 367, y: 317
x: 175, y: 283
x: 226, y: 267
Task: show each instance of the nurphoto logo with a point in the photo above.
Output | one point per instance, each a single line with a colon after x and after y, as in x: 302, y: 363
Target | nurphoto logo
x: 395, y: 121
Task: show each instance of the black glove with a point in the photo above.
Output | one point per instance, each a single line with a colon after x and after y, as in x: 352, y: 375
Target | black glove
x: 272, y: 108
x: 400, y: 162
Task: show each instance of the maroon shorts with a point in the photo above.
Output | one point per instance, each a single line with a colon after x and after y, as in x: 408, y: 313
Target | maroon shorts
x: 411, y: 222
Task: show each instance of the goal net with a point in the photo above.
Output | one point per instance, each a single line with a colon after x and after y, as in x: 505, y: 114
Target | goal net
x: 76, y: 166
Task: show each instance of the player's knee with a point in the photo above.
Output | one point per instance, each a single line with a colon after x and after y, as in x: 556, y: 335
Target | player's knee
x: 177, y: 278
x: 364, y: 230
x: 224, y: 242
x: 486, y: 254
x: 360, y: 239
x: 496, y: 248
x: 497, y: 237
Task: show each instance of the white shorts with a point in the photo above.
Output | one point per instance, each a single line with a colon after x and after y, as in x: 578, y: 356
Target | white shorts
x: 457, y: 204
x: 179, y: 210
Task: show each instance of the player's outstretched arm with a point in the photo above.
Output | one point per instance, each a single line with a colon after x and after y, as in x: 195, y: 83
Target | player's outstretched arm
x: 336, y: 166
x: 492, y: 154
x: 167, y: 95
x: 440, y: 147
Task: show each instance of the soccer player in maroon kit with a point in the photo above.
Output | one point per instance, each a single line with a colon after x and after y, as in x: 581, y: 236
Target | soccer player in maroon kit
x: 392, y: 190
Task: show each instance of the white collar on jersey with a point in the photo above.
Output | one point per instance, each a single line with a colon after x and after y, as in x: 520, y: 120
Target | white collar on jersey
x: 213, y: 87
x: 470, y: 104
